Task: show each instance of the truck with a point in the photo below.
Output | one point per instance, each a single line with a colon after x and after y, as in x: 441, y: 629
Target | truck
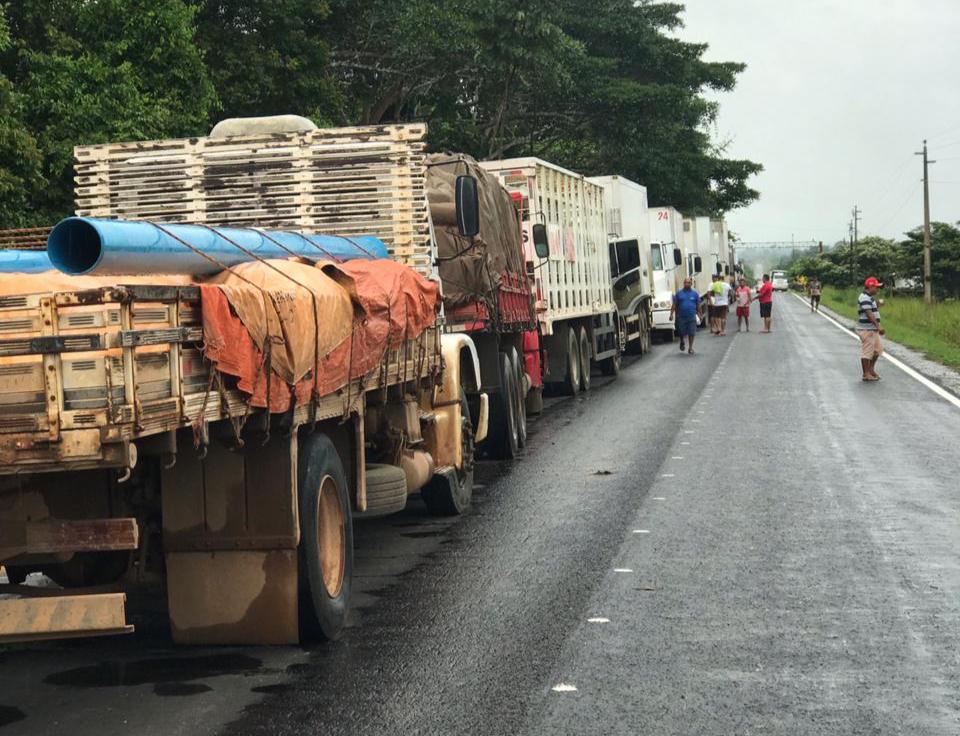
x: 130, y: 451
x: 628, y: 230
x: 565, y: 241
x: 487, y: 294
x: 667, y: 264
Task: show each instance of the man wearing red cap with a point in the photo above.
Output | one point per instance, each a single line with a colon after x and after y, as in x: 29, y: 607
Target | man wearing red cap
x: 869, y: 329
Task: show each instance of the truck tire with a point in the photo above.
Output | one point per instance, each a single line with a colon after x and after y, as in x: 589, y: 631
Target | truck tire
x: 584, y: 351
x: 520, y: 402
x: 326, y: 539
x: 449, y: 492
x: 386, y: 491
x: 571, y: 382
x: 503, y: 438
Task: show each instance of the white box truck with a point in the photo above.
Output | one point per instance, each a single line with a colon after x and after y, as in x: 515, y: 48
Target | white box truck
x: 628, y: 230
x: 565, y: 236
x: 666, y: 263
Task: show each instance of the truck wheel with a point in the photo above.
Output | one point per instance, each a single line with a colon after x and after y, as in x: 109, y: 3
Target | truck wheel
x: 326, y: 538
x: 503, y: 438
x: 449, y: 492
x: 386, y: 491
x: 571, y: 382
x: 584, y: 359
x: 611, y: 366
x: 519, y: 398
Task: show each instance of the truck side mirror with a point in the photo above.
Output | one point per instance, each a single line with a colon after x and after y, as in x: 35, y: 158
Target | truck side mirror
x: 697, y: 264
x: 468, y: 206
x: 677, y: 257
x: 541, y: 244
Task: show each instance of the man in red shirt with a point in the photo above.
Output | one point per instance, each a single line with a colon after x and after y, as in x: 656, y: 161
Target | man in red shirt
x: 765, y: 297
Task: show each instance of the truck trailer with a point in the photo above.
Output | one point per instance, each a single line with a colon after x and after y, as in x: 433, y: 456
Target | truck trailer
x: 565, y: 241
x: 628, y: 230
x: 667, y: 265
x: 224, y: 431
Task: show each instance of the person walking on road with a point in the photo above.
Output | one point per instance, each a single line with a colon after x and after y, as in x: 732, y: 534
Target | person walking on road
x: 869, y: 329
x: 813, y: 289
x: 721, y: 304
x: 686, y: 303
x: 744, y: 297
x: 765, y: 297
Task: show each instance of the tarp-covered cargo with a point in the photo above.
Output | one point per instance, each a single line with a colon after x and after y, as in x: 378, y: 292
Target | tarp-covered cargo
x: 476, y: 270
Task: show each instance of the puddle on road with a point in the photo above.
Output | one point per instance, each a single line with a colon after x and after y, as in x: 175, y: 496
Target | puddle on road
x: 170, y: 676
x: 9, y: 714
x: 271, y: 689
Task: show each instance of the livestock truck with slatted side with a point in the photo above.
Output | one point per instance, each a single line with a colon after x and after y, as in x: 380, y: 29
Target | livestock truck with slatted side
x: 566, y: 249
x: 220, y: 427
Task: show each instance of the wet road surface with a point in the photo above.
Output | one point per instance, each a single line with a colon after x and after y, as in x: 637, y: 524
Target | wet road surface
x: 749, y: 540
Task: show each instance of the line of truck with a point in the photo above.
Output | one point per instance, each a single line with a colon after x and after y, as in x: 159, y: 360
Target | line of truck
x: 121, y: 460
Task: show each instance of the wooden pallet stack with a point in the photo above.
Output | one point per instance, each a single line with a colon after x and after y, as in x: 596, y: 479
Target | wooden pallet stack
x: 27, y: 238
x: 340, y: 181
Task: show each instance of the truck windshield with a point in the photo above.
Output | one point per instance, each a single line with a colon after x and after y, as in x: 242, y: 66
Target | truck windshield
x: 656, y: 258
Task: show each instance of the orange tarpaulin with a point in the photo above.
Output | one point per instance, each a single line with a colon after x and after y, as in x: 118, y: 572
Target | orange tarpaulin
x: 389, y: 303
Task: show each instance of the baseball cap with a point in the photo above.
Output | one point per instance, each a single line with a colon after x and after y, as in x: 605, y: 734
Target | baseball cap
x: 872, y: 281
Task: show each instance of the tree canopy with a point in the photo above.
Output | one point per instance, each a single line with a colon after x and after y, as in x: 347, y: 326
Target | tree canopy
x: 612, y: 90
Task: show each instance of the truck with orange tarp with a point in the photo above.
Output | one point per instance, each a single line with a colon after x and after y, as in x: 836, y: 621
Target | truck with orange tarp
x: 225, y: 429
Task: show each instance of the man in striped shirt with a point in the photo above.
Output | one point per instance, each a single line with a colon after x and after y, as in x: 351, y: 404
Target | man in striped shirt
x: 869, y: 329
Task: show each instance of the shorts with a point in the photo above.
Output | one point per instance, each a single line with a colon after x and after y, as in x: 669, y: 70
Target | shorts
x: 687, y: 327
x: 871, y: 346
x: 743, y: 311
x: 814, y: 298
x: 765, y: 309
x: 718, y: 311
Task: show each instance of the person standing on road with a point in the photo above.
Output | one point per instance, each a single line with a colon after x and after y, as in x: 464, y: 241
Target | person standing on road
x: 744, y: 297
x: 869, y: 329
x: 721, y: 304
x: 765, y: 297
x: 813, y: 289
x: 686, y: 303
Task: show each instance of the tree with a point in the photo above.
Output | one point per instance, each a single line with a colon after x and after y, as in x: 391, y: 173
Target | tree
x: 269, y: 57
x: 21, y: 180
x: 945, y: 258
x: 101, y: 71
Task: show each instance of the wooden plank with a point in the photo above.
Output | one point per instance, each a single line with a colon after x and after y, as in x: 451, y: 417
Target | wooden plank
x: 33, y: 619
x: 86, y: 535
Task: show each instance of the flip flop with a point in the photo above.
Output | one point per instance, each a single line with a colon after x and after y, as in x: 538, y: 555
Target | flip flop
x: 870, y: 379
x: 690, y: 352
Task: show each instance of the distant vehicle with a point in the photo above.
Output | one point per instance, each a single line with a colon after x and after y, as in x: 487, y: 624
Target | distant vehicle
x: 780, y: 281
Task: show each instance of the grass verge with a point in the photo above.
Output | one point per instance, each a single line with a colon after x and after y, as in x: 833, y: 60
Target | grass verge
x: 932, y: 330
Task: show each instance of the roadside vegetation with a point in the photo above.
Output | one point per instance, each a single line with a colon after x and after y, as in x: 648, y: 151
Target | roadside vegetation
x: 610, y: 90
x: 933, y: 330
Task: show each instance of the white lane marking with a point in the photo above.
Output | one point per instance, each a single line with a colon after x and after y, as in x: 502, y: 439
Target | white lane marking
x: 677, y: 457
x: 938, y: 390
x: 688, y: 431
x: 682, y: 443
x: 659, y: 498
x: 695, y: 421
x: 641, y: 531
x: 700, y: 411
x: 622, y: 569
x: 598, y: 620
x: 564, y: 688
x: 666, y: 475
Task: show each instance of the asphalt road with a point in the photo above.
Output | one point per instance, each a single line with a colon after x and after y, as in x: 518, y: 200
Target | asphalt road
x: 749, y: 540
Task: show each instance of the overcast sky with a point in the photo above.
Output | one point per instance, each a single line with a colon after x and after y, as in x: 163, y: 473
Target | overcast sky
x: 837, y: 96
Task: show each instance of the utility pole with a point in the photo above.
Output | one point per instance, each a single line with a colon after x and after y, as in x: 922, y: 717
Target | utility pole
x: 927, y: 265
x: 854, y: 227
x: 853, y: 275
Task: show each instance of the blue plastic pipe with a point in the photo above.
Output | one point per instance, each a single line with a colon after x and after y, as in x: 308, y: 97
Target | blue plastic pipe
x: 24, y: 261
x: 87, y: 245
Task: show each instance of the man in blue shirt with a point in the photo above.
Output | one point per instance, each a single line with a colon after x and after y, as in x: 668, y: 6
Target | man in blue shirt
x: 686, y: 302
